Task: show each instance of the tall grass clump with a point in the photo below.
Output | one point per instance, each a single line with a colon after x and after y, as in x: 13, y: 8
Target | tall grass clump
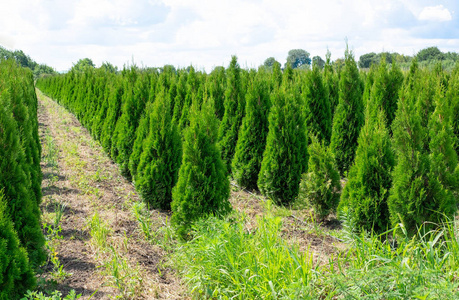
x: 225, y: 261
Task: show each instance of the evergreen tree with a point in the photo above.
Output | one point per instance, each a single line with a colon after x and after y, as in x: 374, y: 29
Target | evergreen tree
x: 113, y: 113
x: 367, y: 190
x: 348, y: 118
x: 16, y: 184
x: 216, y: 85
x: 285, y: 156
x: 453, y: 98
x: 203, y: 186
x: 234, y: 112
x: 320, y: 185
x: 317, y: 106
x: 252, y: 136
x: 331, y: 83
x: 426, y: 176
x: 161, y: 157
x: 16, y: 276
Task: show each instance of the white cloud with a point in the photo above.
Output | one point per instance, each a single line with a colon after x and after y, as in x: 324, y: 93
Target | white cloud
x: 435, y: 13
x: 206, y: 33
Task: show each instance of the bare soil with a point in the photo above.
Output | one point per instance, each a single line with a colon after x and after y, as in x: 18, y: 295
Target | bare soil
x: 86, y: 181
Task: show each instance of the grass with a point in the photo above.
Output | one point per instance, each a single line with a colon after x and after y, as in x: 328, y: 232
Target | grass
x: 224, y: 260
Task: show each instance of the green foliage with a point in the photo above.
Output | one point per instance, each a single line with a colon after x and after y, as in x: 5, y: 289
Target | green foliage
x: 331, y: 83
x: 17, y: 164
x: 320, y: 185
x: 426, y: 176
x: 285, y: 157
x: 82, y: 64
x: 234, y: 112
x: 223, y: 261
x: 298, y: 58
x: 161, y: 157
x: 203, y: 186
x: 16, y: 276
x: 252, y: 137
x: 113, y: 113
x: 348, y: 118
x: 317, y: 106
x: 367, y: 190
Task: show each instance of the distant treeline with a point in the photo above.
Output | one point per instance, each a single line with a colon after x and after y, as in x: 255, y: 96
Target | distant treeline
x: 426, y: 57
x: 26, y: 62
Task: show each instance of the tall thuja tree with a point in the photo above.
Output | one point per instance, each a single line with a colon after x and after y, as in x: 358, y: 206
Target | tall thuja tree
x: 126, y: 126
x: 331, y: 83
x: 234, y: 112
x: 276, y: 79
x: 203, y: 186
x: 16, y: 275
x: 317, y: 106
x: 22, y: 206
x: 179, y: 101
x: 392, y: 93
x: 285, y: 157
x: 160, y: 160
x: 113, y: 112
x: 252, y: 136
x: 365, y: 195
x: 141, y: 135
x: 452, y: 96
x: 348, y: 118
x: 192, y: 86
x: 419, y: 193
x: 216, y: 85
x: 101, y: 114
x: 369, y: 79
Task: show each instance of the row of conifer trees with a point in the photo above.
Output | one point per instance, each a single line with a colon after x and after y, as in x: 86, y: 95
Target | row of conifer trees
x: 178, y: 134
x: 21, y: 238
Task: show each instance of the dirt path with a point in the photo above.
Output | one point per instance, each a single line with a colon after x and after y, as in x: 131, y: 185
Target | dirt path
x: 101, y: 249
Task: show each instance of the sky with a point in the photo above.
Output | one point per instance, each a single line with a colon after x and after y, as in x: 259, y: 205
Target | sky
x: 206, y: 33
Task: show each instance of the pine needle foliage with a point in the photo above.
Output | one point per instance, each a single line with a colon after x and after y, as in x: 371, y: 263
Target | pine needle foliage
x: 252, y: 136
x: 203, y: 186
x: 285, y: 157
x: 348, y: 118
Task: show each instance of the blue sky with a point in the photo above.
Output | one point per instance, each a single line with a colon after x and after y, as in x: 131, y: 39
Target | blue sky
x: 206, y: 33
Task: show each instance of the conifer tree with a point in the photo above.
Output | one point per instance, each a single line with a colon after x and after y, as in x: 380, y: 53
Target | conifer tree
x: 252, y: 136
x: 161, y: 157
x: 369, y: 181
x: 452, y: 95
x: 285, y: 157
x: 15, y: 182
x: 425, y: 177
x: 348, y: 118
x: 331, y: 83
x: 203, y: 186
x: 113, y: 113
x: 234, y: 112
x: 317, y: 106
x: 16, y: 276
x: 320, y: 185
x: 216, y: 85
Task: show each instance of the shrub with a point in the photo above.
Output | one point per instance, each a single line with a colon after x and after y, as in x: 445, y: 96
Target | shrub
x: 252, y: 136
x: 320, y: 185
x: 161, y: 157
x: 16, y: 276
x: 203, y: 186
x: 234, y: 112
x: 348, y: 118
x: 285, y: 156
x: 367, y: 190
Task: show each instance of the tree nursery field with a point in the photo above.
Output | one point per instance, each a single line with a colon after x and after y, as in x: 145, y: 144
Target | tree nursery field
x: 327, y: 182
